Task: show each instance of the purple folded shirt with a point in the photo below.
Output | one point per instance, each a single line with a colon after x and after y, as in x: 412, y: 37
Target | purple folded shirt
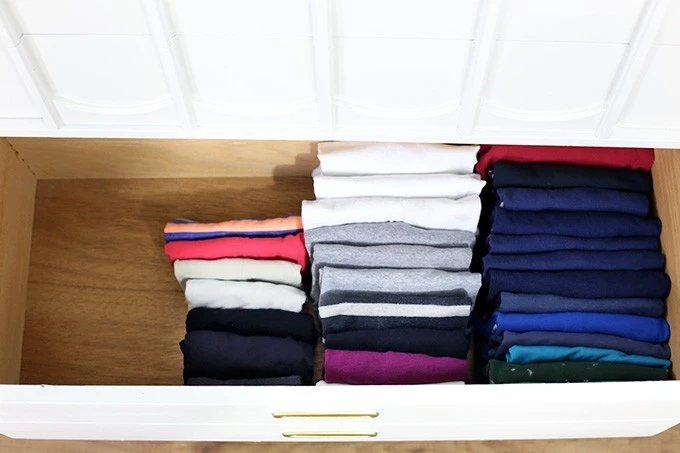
x: 395, y: 368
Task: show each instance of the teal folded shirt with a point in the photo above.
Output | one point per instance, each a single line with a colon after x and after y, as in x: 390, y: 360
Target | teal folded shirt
x: 523, y: 355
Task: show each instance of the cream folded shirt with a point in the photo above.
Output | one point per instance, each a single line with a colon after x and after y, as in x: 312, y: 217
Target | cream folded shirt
x: 369, y: 158
x: 274, y: 271
x: 442, y: 185
x: 441, y: 213
x: 253, y: 295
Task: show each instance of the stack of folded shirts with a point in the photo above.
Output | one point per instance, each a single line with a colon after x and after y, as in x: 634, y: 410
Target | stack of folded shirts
x: 390, y: 239
x: 243, y: 284
x: 574, y: 283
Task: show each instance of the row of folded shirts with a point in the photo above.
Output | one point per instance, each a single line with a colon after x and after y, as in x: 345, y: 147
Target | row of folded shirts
x: 242, y: 281
x: 574, y: 282
x: 390, y: 239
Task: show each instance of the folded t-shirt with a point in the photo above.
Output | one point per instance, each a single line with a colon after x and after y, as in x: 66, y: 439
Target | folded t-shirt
x: 549, y: 303
x: 378, y: 368
x: 182, y: 229
x: 337, y: 324
x: 398, y: 280
x: 382, y: 233
x: 586, y: 284
x: 400, y: 256
x: 435, y: 185
x: 633, y: 158
x: 444, y: 213
x: 257, y: 295
x: 393, y: 310
x: 285, y: 380
x: 499, y: 345
x: 640, y: 328
x: 535, y: 243
x: 567, y: 260
x: 273, y: 271
x: 581, y: 224
x: 287, y: 248
x: 225, y: 355
x: 453, y: 297
x: 376, y: 158
x: 552, y: 372
x: 439, y: 343
x: 573, y: 199
x: 273, y: 323
x: 525, y: 355
x: 556, y: 176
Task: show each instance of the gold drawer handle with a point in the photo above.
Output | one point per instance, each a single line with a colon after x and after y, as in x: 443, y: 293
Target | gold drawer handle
x: 325, y: 414
x: 308, y: 434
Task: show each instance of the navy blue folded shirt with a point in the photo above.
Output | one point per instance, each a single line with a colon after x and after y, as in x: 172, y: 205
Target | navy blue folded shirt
x: 555, y: 176
x: 225, y: 355
x: 566, y: 260
x: 499, y: 244
x: 337, y: 324
x: 580, y: 224
x: 437, y: 343
x: 498, y: 345
x: 548, y: 303
x: 640, y: 328
x: 586, y: 284
x: 573, y: 199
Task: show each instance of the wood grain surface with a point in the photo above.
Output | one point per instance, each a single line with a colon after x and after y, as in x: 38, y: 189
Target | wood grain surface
x: 17, y: 194
x: 69, y: 158
x: 103, y: 305
x: 666, y: 174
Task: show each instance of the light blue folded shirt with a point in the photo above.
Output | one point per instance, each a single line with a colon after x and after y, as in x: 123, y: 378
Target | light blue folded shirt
x: 523, y: 355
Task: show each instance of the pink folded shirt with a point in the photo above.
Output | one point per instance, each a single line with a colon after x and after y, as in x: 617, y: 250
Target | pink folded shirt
x: 396, y: 368
x: 287, y: 248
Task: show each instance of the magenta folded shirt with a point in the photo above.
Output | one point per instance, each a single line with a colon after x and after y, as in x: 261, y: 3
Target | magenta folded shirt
x: 395, y: 368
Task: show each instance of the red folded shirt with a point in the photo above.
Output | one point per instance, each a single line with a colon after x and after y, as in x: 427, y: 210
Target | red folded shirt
x: 288, y: 248
x: 633, y: 158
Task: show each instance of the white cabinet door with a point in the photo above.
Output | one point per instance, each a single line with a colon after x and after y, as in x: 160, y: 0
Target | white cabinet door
x: 105, y: 80
x: 17, y: 109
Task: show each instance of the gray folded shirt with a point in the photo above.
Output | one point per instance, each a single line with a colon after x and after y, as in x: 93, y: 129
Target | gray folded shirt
x: 396, y: 256
x: 398, y: 280
x: 386, y: 233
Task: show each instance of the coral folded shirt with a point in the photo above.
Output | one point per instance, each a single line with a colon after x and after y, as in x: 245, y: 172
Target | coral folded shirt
x: 288, y: 248
x: 632, y: 158
x: 182, y: 229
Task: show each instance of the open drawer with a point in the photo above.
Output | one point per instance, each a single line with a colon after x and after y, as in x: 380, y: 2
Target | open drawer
x: 90, y: 313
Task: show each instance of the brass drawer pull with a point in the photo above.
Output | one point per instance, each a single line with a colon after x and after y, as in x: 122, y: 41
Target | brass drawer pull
x: 325, y: 414
x: 308, y: 434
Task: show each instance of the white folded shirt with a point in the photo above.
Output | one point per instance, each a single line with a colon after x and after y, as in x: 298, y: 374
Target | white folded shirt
x: 401, y: 310
x: 274, y: 271
x: 369, y: 158
x: 253, y: 295
x: 442, y: 213
x: 435, y: 185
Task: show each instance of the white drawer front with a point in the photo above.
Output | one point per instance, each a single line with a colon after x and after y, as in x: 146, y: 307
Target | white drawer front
x: 105, y: 79
x: 452, y: 19
x: 604, y: 21
x: 96, y: 17
x: 368, y: 412
x: 236, y: 17
x: 387, y: 83
x: 548, y: 86
x: 252, y: 81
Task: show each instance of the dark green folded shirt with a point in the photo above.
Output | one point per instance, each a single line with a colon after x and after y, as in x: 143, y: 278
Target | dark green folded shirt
x: 509, y: 373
